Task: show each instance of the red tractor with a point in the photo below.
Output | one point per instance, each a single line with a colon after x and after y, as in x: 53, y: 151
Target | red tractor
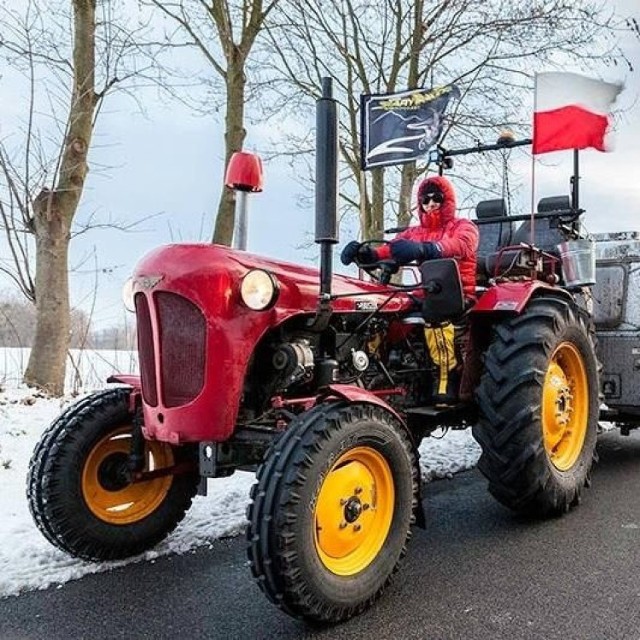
x: 322, y: 383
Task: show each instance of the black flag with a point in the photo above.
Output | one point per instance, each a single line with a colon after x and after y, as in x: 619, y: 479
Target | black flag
x: 400, y: 127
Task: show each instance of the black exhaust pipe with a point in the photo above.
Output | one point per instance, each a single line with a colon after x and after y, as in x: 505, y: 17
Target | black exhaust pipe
x: 326, y: 182
x: 326, y: 201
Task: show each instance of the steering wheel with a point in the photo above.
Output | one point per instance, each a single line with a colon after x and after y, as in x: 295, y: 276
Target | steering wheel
x: 380, y: 270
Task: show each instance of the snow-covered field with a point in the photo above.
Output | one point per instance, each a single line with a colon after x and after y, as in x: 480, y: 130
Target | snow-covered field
x: 28, y: 561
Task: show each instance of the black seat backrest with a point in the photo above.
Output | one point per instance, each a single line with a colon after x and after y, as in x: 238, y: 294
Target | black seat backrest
x: 493, y: 235
x: 555, y: 203
x: 546, y: 236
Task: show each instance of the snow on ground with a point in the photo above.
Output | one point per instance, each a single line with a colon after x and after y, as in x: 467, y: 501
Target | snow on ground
x: 28, y: 561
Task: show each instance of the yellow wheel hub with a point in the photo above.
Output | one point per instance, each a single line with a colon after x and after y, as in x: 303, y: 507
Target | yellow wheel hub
x: 354, y: 511
x: 565, y: 406
x: 106, y: 488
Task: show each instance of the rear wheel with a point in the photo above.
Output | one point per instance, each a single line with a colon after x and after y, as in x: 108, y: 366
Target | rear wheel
x: 331, y: 511
x: 80, y: 492
x: 539, y: 404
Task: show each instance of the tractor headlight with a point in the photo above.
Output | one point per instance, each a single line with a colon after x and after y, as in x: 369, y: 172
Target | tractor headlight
x: 259, y: 290
x: 127, y: 296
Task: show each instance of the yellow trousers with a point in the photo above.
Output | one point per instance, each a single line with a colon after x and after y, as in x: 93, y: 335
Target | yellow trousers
x: 441, y: 345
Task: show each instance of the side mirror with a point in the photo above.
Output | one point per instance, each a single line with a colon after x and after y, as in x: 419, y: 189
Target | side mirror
x: 443, y: 299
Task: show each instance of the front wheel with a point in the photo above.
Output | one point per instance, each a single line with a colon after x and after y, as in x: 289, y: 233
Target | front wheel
x: 539, y: 405
x: 331, y: 511
x: 80, y: 493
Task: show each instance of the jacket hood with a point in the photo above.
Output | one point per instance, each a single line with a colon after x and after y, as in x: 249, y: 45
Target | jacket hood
x: 447, y: 209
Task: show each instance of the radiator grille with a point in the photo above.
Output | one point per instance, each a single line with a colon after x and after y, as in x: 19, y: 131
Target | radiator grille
x: 182, y: 330
x: 145, y: 351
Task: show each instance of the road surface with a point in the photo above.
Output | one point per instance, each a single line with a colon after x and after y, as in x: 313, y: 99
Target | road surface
x: 476, y: 572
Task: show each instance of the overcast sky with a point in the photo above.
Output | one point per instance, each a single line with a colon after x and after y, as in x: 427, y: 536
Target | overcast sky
x: 170, y: 164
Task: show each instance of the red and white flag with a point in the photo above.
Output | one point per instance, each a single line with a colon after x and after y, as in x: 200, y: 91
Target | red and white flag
x: 571, y: 111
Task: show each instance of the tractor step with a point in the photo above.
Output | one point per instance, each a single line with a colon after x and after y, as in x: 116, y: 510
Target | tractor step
x: 427, y: 419
x: 435, y: 410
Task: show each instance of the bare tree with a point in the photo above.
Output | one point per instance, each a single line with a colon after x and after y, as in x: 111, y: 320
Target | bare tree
x: 17, y: 321
x: 488, y: 49
x: 43, y: 164
x: 115, y: 338
x: 224, y: 31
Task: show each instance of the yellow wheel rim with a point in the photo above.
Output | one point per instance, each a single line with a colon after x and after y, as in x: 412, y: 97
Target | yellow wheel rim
x: 106, y: 489
x: 354, y: 511
x: 565, y: 406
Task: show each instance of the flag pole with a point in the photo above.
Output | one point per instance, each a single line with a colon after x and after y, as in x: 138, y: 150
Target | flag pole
x: 533, y: 160
x: 575, y: 181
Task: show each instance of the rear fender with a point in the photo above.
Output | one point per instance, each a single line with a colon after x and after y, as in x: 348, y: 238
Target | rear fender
x: 513, y: 297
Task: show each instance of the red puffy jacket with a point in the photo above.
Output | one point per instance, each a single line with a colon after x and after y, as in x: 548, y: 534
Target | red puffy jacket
x: 456, y: 237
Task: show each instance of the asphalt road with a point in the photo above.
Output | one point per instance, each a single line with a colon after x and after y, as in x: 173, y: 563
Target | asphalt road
x: 476, y: 572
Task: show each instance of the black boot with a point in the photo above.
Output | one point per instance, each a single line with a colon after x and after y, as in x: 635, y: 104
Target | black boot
x: 446, y: 386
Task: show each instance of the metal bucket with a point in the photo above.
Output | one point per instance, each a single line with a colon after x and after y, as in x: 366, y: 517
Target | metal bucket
x: 578, y: 262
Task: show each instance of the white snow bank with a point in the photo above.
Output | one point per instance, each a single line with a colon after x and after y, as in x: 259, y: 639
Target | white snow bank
x: 28, y: 561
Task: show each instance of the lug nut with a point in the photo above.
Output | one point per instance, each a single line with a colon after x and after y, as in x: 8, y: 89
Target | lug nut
x: 343, y: 525
x: 358, y: 490
x: 357, y: 527
x: 365, y: 506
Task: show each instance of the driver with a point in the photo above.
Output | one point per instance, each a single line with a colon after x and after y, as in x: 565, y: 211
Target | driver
x: 440, y: 234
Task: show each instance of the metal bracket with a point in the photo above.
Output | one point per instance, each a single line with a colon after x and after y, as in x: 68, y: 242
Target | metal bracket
x: 207, y: 459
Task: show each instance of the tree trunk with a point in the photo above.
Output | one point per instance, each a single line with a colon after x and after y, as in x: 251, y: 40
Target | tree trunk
x: 54, y: 212
x: 365, y: 205
x: 47, y: 362
x: 408, y: 177
x: 376, y: 221
x: 234, y: 139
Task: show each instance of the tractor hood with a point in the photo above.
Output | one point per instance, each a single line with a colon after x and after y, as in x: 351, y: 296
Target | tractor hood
x: 211, y: 274
x: 196, y: 336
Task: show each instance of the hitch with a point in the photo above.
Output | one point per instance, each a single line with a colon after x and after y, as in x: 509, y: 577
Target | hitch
x: 175, y: 470
x: 245, y: 451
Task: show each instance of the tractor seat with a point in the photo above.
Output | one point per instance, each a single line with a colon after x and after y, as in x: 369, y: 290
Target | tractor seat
x: 546, y: 236
x: 496, y: 231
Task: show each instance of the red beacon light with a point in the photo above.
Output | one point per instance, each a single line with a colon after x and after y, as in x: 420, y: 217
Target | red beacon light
x: 244, y: 176
x: 244, y: 172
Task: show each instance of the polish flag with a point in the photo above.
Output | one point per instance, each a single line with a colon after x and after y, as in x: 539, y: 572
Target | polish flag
x: 571, y: 111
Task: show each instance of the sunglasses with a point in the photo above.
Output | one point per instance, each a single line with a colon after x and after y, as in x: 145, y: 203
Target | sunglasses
x: 438, y: 198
